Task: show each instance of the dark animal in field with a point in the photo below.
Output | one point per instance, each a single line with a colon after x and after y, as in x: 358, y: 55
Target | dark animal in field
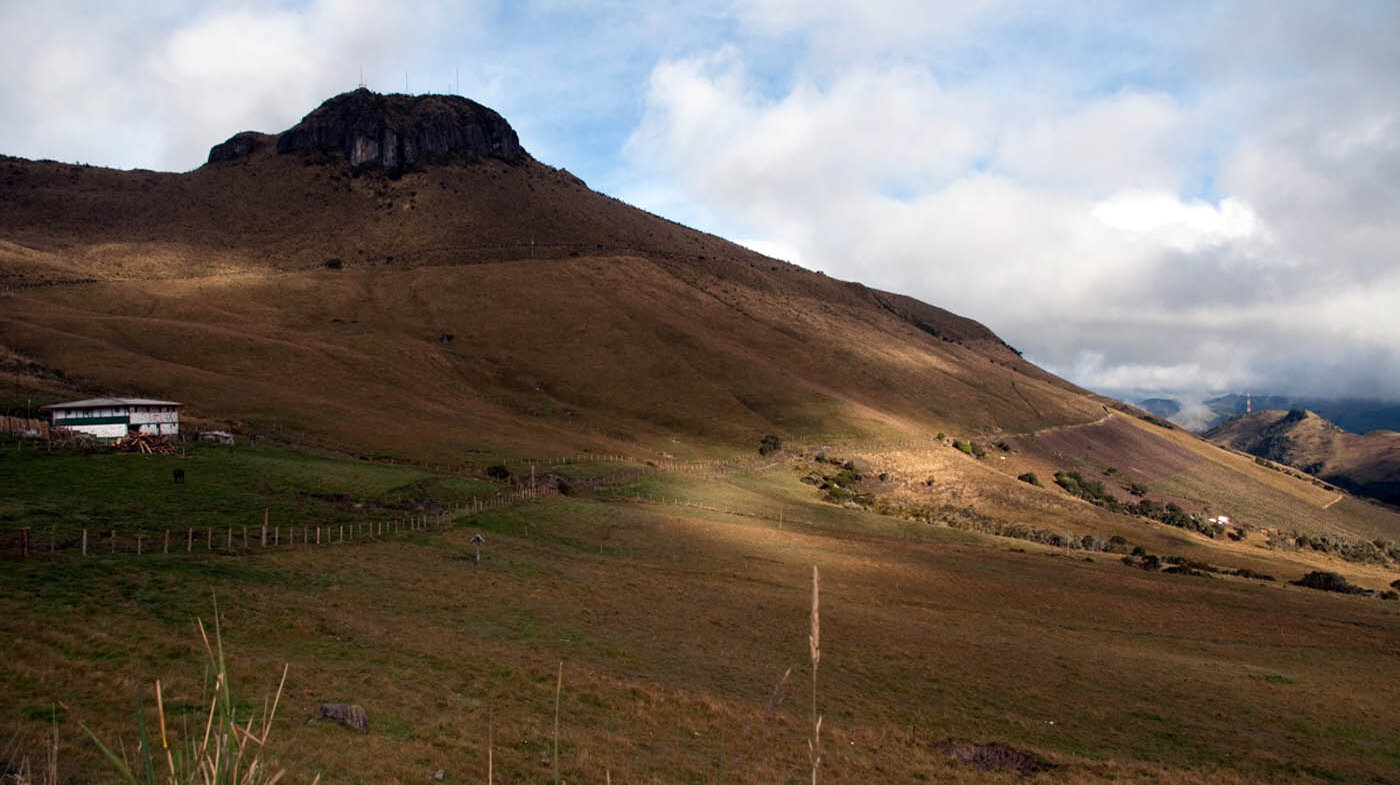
x: 179, y: 476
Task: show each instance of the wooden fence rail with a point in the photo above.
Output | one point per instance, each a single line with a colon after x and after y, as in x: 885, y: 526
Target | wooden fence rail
x: 89, y: 542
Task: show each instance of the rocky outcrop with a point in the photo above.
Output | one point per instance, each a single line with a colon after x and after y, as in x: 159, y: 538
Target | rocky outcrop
x: 401, y: 131
x: 348, y: 714
x: 239, y: 146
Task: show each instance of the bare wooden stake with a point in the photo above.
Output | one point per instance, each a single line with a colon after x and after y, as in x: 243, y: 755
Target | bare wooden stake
x: 84, y: 542
x: 266, y: 511
x: 189, y: 540
x: 167, y: 541
x: 140, y: 534
x: 114, y: 541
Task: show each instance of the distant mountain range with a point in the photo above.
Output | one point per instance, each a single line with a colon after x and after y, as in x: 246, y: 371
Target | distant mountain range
x: 1351, y: 414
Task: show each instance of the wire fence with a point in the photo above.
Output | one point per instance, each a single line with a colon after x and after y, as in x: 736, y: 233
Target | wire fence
x: 50, y: 542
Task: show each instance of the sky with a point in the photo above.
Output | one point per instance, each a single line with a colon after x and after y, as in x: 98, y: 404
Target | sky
x: 1151, y: 198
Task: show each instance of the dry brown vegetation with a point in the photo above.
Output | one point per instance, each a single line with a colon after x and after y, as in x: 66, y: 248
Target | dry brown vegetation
x: 675, y: 625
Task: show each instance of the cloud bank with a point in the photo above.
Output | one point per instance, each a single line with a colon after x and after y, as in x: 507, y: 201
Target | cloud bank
x: 1214, y: 210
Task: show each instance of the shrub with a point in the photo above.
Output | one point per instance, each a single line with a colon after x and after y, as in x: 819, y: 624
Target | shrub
x: 1395, y: 584
x: 1144, y: 560
x: 1328, y: 581
x: 769, y: 444
x: 1029, y: 477
x: 1390, y: 595
x: 334, y: 264
x: 1245, y: 572
x: 1181, y: 569
x: 1137, y: 489
x: 961, y: 445
x: 977, y: 451
x: 498, y: 472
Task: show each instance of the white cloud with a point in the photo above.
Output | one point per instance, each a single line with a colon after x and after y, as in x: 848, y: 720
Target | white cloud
x: 1236, y: 233
x: 157, y: 88
x: 1164, y: 220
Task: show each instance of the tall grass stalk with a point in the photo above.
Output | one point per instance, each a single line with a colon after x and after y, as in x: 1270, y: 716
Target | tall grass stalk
x: 558, y: 688
x: 814, y: 641
x: 231, y: 749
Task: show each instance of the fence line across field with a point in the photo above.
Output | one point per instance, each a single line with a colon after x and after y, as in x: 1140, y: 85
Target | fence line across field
x: 266, y: 537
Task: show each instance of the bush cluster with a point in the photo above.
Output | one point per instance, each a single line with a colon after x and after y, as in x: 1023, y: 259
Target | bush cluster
x: 1328, y: 581
x: 843, y: 485
x: 769, y: 445
x: 1093, y: 492
x: 1363, y: 551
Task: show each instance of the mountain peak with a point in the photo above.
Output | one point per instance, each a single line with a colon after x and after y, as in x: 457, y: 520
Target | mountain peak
x: 394, y: 131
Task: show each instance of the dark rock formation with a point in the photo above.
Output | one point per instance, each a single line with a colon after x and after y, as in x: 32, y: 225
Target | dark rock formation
x: 239, y: 146
x: 399, y: 131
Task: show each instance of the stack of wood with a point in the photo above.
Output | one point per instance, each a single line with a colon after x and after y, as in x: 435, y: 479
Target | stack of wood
x: 149, y: 444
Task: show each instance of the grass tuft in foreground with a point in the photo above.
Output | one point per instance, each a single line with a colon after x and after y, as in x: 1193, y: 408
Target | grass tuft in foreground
x: 231, y: 750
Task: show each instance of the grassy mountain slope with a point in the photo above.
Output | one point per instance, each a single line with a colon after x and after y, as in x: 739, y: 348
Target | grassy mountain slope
x: 481, y: 304
x: 1366, y: 464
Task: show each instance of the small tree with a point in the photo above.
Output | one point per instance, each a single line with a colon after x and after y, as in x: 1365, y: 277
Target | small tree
x: 769, y: 445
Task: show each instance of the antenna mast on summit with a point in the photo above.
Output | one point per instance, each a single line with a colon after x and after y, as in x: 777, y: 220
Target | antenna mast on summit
x: 362, y: 77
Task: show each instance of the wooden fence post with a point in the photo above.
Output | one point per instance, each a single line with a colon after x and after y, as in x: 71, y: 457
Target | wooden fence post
x: 167, y: 541
x: 24, y: 537
x: 53, y: 539
x: 228, y: 540
x: 245, y: 539
x: 266, y: 512
x: 209, y: 539
x: 277, y: 536
x: 84, y: 542
x: 140, y: 534
x: 114, y: 541
x: 189, y: 540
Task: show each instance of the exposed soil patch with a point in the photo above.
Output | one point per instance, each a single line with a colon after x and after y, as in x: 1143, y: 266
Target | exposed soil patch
x: 994, y: 757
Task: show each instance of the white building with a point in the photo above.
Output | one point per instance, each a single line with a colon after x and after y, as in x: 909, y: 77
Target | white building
x: 113, y: 418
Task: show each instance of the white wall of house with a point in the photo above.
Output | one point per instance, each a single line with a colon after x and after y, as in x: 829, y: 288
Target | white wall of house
x: 119, y: 417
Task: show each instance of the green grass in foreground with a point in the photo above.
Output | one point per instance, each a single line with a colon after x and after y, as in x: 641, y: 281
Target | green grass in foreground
x: 57, y: 494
